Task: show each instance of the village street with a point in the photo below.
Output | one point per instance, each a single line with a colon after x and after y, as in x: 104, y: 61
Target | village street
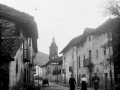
x: 59, y: 43
x: 55, y: 86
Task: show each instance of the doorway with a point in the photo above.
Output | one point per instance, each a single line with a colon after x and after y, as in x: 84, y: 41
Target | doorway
x: 79, y: 79
x: 106, y: 81
x: 90, y: 77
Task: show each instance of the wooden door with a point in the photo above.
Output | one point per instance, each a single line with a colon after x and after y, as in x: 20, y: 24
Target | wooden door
x: 106, y: 81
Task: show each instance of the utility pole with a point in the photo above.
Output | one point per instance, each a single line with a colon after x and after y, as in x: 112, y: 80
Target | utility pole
x: 110, y: 61
x: 77, y: 63
x: 57, y: 69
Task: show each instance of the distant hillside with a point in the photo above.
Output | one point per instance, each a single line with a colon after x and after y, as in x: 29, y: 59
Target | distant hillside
x: 41, y: 58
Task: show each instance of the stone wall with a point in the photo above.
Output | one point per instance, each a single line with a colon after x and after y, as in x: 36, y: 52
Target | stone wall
x: 16, y: 71
x: 100, y: 64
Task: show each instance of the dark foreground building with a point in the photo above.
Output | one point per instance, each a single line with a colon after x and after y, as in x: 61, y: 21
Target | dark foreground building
x: 18, y: 37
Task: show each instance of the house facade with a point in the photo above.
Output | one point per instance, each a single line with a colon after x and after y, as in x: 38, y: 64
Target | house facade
x: 95, y: 51
x: 93, y: 59
x: 69, y: 60
x: 68, y: 65
x: 18, y: 48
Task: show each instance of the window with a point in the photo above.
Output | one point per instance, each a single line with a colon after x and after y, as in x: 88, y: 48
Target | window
x: 16, y: 66
x: 79, y: 62
x: 64, y: 59
x: 104, y: 51
x: 89, y: 37
x: 89, y: 53
x: 96, y: 53
x: 84, y: 57
x: 83, y: 60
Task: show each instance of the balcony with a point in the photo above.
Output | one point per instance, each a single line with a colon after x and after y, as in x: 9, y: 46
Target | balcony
x: 26, y: 55
x: 87, y: 62
x: 55, y: 72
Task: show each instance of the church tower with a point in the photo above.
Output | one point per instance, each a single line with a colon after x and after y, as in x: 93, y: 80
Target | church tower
x: 53, y: 50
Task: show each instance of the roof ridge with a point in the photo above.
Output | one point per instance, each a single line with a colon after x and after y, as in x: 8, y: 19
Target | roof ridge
x: 15, y: 12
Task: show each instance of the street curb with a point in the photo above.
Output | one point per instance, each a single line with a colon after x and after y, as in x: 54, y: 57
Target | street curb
x: 65, y: 85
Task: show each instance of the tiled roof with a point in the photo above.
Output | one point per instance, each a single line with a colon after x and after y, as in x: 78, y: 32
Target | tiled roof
x: 9, y: 46
x: 71, y: 44
x: 59, y: 60
x: 23, y: 19
x: 86, y: 32
x: 77, y: 40
x: 112, y: 24
x: 109, y: 24
x: 9, y: 11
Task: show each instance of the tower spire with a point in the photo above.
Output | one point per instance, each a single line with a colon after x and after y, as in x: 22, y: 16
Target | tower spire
x: 53, y: 39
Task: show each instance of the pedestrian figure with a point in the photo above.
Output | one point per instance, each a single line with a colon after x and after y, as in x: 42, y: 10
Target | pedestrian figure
x: 95, y: 81
x: 72, y: 82
x: 84, y: 82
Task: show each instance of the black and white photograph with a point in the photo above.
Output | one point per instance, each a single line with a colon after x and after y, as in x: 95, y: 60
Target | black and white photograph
x: 60, y: 45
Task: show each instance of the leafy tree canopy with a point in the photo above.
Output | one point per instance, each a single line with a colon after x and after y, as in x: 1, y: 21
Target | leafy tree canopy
x: 112, y: 8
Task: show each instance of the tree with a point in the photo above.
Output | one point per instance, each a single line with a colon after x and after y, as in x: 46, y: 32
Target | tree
x: 112, y: 8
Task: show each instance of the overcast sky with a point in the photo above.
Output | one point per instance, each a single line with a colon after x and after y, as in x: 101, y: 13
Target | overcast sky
x: 65, y: 19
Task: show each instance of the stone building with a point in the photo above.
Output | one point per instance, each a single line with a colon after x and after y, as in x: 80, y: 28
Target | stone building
x: 111, y: 29
x: 93, y: 58
x: 69, y: 60
x: 18, y: 47
x: 94, y: 52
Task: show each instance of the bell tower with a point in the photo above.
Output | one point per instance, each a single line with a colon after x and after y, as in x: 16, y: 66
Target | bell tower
x: 53, y: 50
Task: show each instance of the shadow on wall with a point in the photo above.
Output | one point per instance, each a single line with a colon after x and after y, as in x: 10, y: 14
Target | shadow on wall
x: 19, y: 84
x: 67, y: 81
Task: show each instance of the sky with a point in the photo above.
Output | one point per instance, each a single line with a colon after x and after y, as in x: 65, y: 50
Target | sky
x: 63, y: 19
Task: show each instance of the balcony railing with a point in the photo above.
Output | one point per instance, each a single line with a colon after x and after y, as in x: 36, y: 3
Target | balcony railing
x: 87, y: 62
